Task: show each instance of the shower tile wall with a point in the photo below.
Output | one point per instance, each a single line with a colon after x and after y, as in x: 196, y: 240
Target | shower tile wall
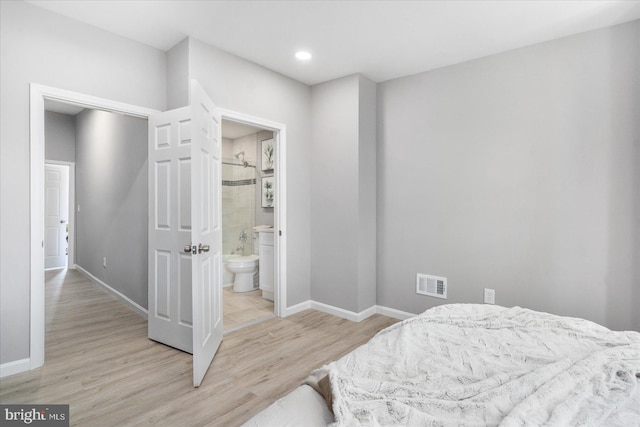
x: 238, y: 194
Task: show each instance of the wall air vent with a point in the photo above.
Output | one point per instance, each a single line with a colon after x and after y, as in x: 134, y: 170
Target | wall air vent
x: 432, y: 286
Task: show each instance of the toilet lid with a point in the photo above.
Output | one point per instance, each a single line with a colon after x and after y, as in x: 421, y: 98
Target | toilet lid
x: 249, y: 258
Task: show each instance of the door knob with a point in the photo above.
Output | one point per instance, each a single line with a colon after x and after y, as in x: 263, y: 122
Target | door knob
x: 187, y: 248
x: 203, y: 248
x: 62, y: 221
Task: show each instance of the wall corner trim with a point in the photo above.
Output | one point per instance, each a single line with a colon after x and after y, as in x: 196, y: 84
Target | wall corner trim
x: 305, y: 305
x: 347, y: 314
x: 15, y: 367
x: 132, y: 304
x: 392, y: 312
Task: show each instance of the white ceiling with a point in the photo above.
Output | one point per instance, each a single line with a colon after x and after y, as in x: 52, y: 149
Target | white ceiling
x: 380, y: 39
x: 62, y: 107
x: 233, y: 130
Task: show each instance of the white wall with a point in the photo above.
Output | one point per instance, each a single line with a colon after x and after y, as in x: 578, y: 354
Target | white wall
x: 517, y: 172
x: 60, y: 137
x: 243, y: 86
x: 42, y: 47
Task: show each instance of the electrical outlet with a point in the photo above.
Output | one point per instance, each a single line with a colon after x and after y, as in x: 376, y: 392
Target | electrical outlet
x: 489, y: 296
x: 104, y: 263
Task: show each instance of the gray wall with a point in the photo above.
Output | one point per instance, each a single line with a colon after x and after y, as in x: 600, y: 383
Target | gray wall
x: 42, y: 47
x: 517, y: 172
x: 111, y: 191
x: 178, y: 75
x: 367, y: 190
x: 240, y: 85
x: 343, y: 193
x: 60, y: 137
x: 334, y: 193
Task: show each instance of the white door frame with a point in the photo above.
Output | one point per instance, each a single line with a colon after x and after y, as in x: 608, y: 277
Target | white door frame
x: 38, y: 94
x: 71, y: 256
x: 280, y: 201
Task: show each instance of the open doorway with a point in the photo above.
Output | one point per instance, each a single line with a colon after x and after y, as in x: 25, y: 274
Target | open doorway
x: 40, y: 94
x: 248, y: 219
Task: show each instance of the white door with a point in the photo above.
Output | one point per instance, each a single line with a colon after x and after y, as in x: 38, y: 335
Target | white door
x: 169, y: 290
x: 206, y: 235
x: 56, y: 206
x: 185, y: 236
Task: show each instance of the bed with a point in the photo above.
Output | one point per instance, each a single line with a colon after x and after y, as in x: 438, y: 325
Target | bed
x: 474, y: 365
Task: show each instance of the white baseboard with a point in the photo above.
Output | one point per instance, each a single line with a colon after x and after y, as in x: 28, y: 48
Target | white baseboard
x: 347, y: 314
x: 15, y: 367
x: 132, y: 304
x: 392, y: 312
x: 367, y: 313
x: 305, y: 305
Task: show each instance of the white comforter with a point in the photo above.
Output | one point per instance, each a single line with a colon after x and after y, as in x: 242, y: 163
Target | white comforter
x: 478, y: 365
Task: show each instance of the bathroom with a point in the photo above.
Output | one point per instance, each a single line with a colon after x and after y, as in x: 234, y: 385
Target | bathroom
x: 247, y: 223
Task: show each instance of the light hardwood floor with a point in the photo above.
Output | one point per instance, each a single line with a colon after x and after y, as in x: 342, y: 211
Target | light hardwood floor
x: 99, y: 360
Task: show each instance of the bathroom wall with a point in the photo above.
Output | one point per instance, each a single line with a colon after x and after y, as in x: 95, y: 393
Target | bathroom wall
x: 60, y: 137
x: 264, y: 216
x: 238, y: 194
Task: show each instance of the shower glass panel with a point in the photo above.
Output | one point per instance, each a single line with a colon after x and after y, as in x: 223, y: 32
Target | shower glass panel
x: 238, y: 206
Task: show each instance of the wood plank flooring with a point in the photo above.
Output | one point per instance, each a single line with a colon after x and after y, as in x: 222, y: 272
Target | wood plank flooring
x: 98, y: 359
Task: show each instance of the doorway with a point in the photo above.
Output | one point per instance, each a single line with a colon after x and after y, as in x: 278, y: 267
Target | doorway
x: 59, y: 215
x: 279, y: 202
x: 247, y: 215
x: 38, y: 95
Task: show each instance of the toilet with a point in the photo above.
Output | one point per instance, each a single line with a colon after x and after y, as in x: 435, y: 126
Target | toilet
x: 245, y: 269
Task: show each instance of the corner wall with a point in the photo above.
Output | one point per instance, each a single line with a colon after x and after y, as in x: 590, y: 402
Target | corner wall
x: 343, y: 193
x: 517, y: 172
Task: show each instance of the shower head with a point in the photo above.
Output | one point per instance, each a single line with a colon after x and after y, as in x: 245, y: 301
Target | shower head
x: 237, y: 155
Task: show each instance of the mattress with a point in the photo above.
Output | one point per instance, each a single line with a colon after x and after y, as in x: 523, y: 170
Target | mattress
x: 306, y: 407
x: 467, y: 364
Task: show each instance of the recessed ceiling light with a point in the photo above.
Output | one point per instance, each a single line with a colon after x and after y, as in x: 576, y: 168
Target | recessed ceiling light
x: 303, y: 56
